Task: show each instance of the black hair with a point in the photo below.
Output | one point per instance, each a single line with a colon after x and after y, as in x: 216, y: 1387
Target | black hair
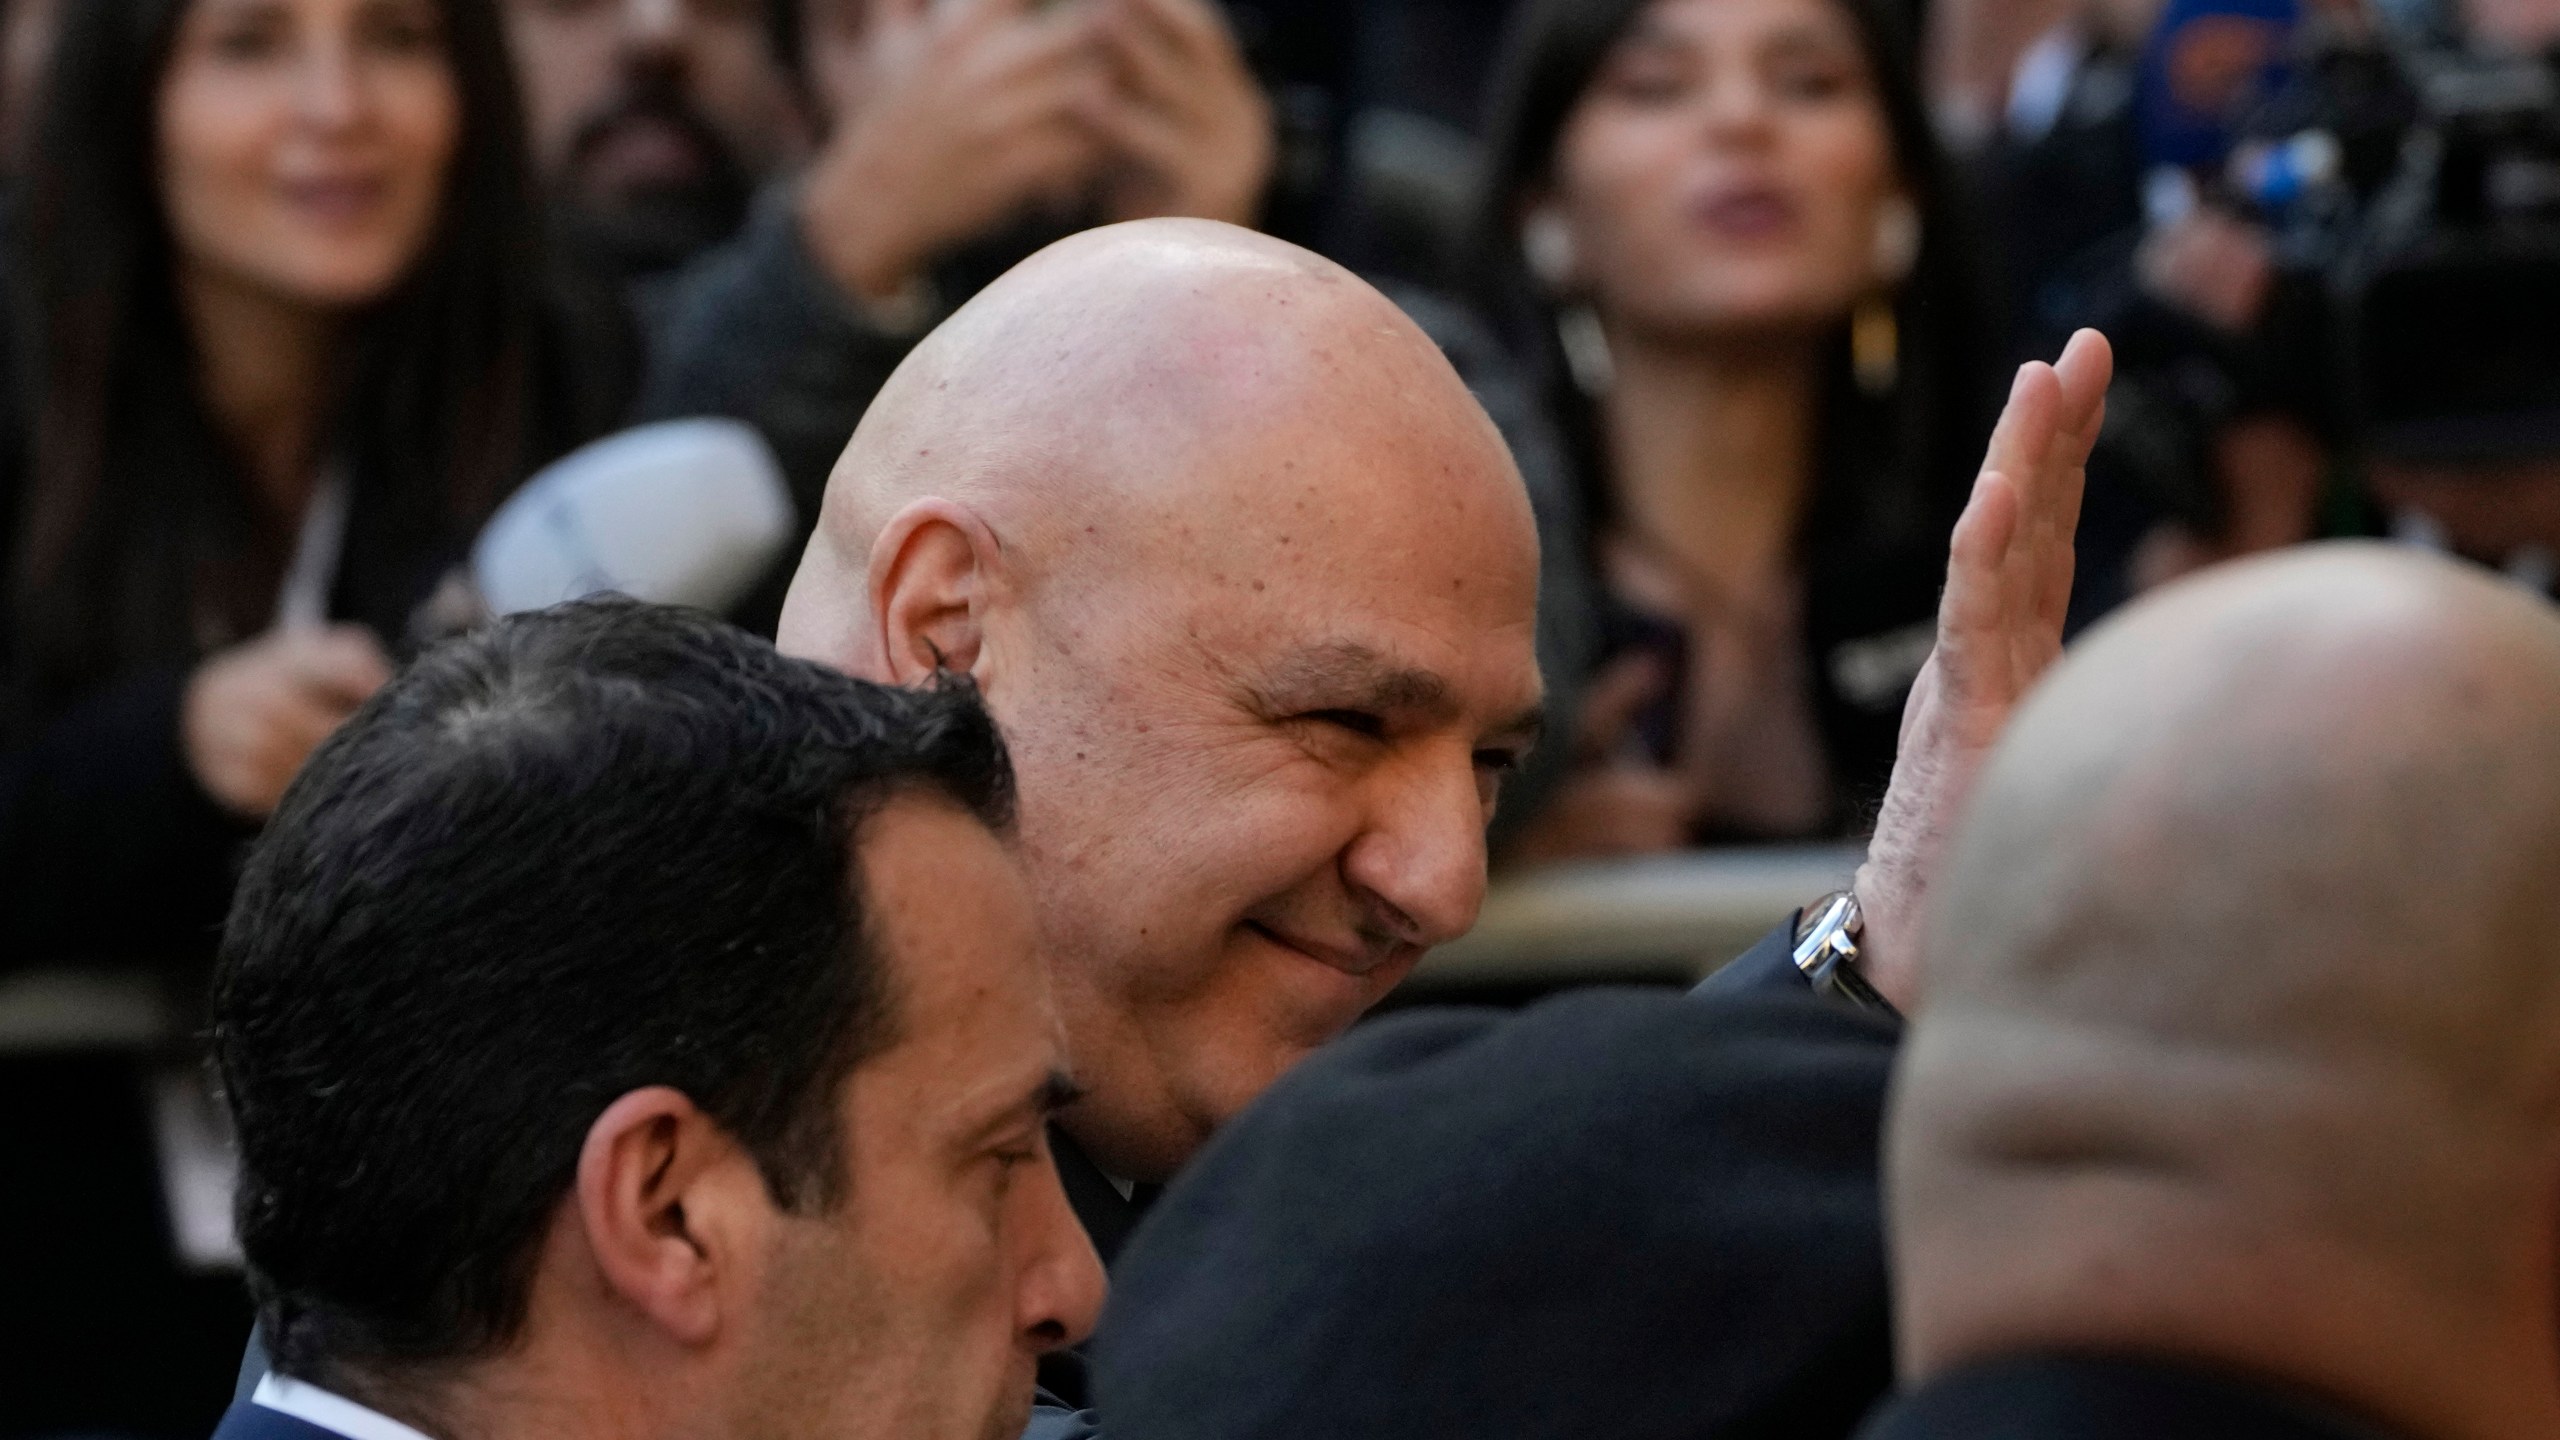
x: 136, y: 521
x: 1893, y: 470
x: 588, y: 850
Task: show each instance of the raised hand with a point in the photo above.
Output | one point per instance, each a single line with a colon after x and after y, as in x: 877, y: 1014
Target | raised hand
x: 2009, y: 573
x: 950, y: 118
x: 1190, y: 125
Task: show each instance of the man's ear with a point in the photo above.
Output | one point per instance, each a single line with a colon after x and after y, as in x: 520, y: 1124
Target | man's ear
x: 932, y: 571
x: 672, y: 1210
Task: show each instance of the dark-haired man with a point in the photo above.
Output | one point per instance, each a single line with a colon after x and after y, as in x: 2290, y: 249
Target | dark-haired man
x: 653, y: 121
x: 609, y: 1057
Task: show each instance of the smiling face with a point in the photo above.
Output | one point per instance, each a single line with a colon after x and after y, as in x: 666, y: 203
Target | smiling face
x: 1729, y: 170
x: 304, y: 144
x: 1259, y: 749
x: 920, y: 1305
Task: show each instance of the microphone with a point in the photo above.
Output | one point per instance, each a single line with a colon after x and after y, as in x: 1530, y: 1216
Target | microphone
x: 683, y: 512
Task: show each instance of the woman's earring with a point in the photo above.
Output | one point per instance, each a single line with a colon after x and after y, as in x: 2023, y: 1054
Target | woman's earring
x: 1875, y: 330
x: 1546, y: 243
x: 1875, y: 346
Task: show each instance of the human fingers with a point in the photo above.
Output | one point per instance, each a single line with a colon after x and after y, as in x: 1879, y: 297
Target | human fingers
x: 341, y: 664
x: 2021, y: 452
x: 1976, y: 612
x: 1137, y: 130
x: 255, y: 749
x: 2086, y: 368
x: 1176, y: 53
x: 295, y: 724
x: 2024, y: 436
x: 1186, y: 30
x: 1017, y: 29
x: 2084, y: 372
x: 980, y: 15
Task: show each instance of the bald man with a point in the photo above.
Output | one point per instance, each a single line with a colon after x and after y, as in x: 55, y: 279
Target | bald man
x: 1250, y: 583
x: 2242, y: 1044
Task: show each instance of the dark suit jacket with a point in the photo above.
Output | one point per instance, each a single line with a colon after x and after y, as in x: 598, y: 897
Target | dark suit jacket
x: 2082, y: 1397
x: 1621, y: 1214
x: 245, y: 1421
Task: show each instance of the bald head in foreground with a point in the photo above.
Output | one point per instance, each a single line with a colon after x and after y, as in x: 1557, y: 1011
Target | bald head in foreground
x: 2242, y: 1035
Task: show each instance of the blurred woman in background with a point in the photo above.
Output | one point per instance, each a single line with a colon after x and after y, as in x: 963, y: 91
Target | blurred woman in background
x: 1724, y: 229
x: 282, y: 337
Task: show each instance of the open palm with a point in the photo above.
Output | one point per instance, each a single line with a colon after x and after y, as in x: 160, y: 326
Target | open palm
x: 2009, y: 571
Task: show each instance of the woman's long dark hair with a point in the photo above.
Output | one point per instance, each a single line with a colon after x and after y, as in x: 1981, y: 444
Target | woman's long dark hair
x: 1892, y: 470
x: 135, y: 522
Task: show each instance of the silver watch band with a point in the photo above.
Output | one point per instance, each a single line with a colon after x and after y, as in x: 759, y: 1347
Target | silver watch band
x: 1827, y: 953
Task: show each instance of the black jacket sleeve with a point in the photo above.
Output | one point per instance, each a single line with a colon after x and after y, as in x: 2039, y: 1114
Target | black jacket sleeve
x: 109, y: 849
x: 1767, y: 968
x: 1617, y: 1213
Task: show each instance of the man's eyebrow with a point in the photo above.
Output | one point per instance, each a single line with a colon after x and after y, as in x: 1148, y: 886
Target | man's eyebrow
x: 1346, y: 673
x: 1053, y: 1092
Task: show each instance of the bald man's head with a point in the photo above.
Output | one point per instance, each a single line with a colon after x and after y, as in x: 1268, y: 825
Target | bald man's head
x: 1251, y: 582
x: 1142, y: 371
x: 2243, y: 1031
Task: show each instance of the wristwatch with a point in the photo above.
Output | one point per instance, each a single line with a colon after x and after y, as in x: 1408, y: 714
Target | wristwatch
x: 1827, y: 952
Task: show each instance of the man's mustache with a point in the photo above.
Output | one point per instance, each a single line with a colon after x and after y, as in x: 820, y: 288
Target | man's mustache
x: 658, y: 103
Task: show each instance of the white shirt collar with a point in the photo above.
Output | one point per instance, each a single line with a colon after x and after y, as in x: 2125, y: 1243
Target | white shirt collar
x: 330, y: 1412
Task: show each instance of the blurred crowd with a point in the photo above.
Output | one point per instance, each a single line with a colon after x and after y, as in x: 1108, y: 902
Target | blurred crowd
x: 295, y: 295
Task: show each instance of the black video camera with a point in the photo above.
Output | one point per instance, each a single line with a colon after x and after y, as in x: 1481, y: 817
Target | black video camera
x: 2417, y: 176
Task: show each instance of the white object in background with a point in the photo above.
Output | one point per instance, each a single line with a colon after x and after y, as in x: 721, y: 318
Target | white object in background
x: 302, y: 601
x: 199, y: 1169
x: 684, y: 512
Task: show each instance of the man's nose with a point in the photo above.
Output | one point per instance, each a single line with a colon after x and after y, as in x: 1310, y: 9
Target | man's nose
x: 1422, y: 856
x: 1062, y: 1283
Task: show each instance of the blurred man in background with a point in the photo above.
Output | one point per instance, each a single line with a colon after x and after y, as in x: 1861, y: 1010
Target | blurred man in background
x: 653, y: 121
x: 2263, y: 1146
x: 958, y: 138
x: 747, y: 1139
